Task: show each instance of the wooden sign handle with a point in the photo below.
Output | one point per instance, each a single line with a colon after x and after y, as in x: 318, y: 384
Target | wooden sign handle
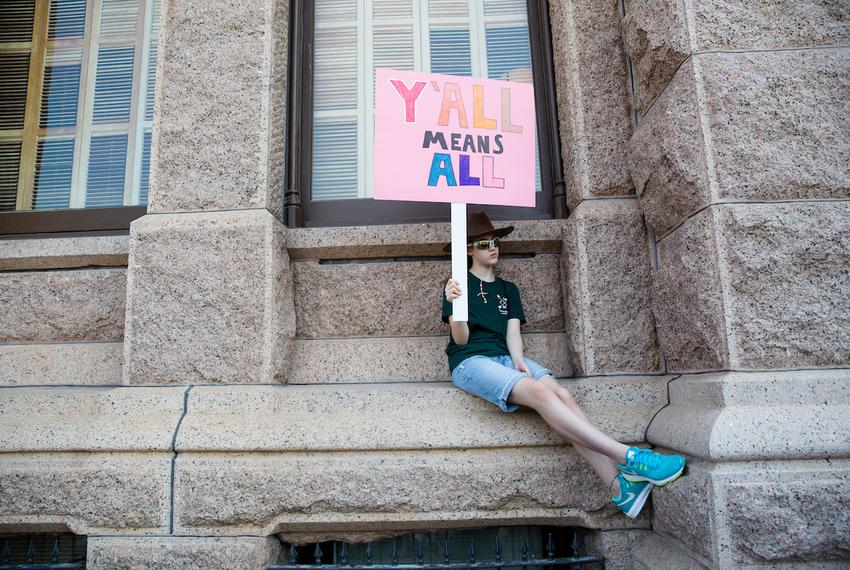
x: 460, y: 306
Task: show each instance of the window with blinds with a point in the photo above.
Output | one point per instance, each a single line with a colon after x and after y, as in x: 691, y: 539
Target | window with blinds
x: 478, y: 38
x: 76, y: 102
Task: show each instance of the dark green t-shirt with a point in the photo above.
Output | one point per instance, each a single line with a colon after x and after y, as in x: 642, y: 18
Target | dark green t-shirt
x: 488, y: 322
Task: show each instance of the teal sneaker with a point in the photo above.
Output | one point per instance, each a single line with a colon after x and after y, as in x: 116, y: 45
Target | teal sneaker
x: 646, y: 465
x: 632, y: 496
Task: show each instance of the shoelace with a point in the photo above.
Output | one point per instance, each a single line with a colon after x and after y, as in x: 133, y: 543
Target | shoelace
x: 644, y: 460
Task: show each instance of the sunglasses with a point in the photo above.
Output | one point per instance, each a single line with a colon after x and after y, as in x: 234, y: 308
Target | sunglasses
x: 485, y: 243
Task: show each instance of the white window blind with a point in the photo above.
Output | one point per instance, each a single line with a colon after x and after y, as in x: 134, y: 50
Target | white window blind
x: 86, y: 141
x: 476, y: 38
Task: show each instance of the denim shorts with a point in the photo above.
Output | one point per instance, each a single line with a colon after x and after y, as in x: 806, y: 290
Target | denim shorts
x: 493, y: 378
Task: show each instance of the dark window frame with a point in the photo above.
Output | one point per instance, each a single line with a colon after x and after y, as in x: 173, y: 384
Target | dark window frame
x: 74, y: 221
x: 301, y: 211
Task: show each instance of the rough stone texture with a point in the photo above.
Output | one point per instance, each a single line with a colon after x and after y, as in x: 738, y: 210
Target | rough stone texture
x: 93, y: 493
x: 88, y: 419
x: 404, y: 298
x: 405, y: 359
x: 667, y: 155
x: 740, y: 416
x: 686, y: 298
x: 789, y: 277
x: 655, y: 38
x: 387, y: 241
x: 759, y: 513
x: 659, y: 36
x: 182, y: 553
x: 219, y: 126
x: 741, y: 24
x: 615, y: 545
x: 656, y: 552
x: 79, y: 363
x: 607, y: 289
x: 792, y: 145
x: 398, y: 416
x: 51, y: 306
x: 318, y: 493
x: 775, y: 296
x: 594, y: 104
x: 209, y: 299
x: 63, y: 252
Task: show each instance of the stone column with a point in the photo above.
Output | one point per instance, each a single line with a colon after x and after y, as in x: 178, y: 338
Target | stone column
x: 605, y: 253
x: 740, y: 162
x: 209, y: 289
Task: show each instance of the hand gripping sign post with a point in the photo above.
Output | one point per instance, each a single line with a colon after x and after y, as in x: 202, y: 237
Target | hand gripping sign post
x: 463, y: 140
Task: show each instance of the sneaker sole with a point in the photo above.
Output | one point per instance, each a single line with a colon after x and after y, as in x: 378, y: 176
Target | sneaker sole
x: 656, y: 482
x: 640, y: 501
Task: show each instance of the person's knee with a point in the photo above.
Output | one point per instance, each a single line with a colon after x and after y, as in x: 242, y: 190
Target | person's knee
x: 540, y: 394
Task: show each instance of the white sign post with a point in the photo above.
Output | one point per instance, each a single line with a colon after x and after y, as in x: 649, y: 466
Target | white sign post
x: 460, y: 306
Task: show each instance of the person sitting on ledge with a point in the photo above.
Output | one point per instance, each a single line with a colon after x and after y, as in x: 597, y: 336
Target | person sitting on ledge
x: 486, y: 359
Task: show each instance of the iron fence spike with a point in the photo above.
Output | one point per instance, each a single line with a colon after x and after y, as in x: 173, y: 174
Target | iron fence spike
x: 293, y: 554
x: 369, y: 553
x: 55, y: 554
x: 395, y: 553
x: 523, y: 550
x: 472, y: 550
x: 7, y: 553
x: 498, y: 548
x: 419, y: 559
x: 550, y: 547
x: 317, y: 553
x: 344, y: 553
x: 446, y: 549
x: 30, y: 550
x: 574, y: 545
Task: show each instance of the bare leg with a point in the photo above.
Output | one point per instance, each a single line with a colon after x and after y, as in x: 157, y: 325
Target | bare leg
x: 558, y: 409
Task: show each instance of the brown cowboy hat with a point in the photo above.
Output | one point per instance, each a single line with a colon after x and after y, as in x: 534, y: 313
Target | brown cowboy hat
x: 479, y: 225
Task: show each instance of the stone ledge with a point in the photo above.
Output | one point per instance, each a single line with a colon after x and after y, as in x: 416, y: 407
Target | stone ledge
x: 184, y: 553
x: 398, y: 416
x: 401, y: 240
x: 656, y: 552
x: 87, y: 419
x: 77, y: 363
x: 318, y: 496
x: 91, y: 493
x: 400, y: 359
x: 64, y: 252
x: 742, y: 416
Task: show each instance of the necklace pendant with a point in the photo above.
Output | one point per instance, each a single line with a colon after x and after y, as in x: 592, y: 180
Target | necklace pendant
x: 483, y: 296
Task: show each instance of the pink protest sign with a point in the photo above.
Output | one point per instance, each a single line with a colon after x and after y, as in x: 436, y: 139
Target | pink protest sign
x: 444, y: 138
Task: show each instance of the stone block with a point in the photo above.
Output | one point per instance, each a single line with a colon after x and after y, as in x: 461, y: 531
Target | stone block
x: 63, y: 252
x: 398, y: 416
x: 73, y: 363
x: 94, y: 493
x: 209, y: 299
x: 56, y: 306
x: 404, y: 298
x: 407, y: 240
x: 606, y: 266
x: 755, y: 286
x: 787, y: 277
x: 657, y: 552
x: 655, y: 37
x: 400, y: 359
x: 667, y: 155
x: 659, y: 36
x: 182, y: 552
x: 88, y: 419
x: 686, y: 298
x: 320, y: 495
x: 793, y: 144
x: 219, y: 129
x: 615, y: 545
x: 745, y: 416
x: 790, y: 146
x: 755, y: 513
x: 594, y: 104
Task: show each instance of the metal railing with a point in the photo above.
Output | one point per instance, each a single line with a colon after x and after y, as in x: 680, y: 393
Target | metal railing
x: 38, y: 552
x: 342, y: 557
